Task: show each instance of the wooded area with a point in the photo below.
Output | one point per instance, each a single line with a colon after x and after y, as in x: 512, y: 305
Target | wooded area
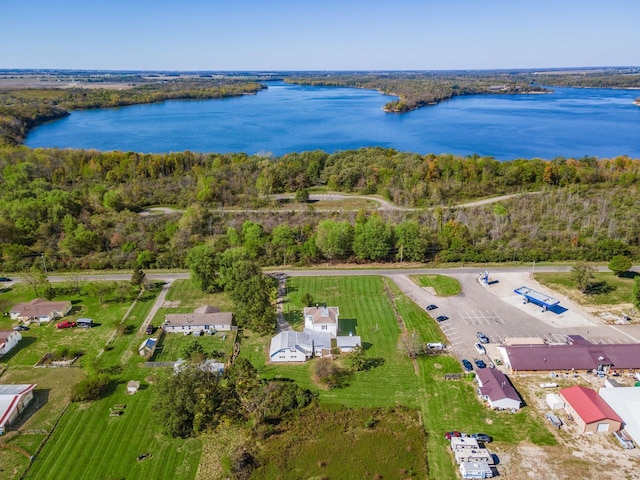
x: 82, y: 209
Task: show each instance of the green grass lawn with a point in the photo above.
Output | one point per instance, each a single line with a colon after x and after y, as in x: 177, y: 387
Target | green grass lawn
x: 445, y: 405
x: 90, y: 444
x: 606, y: 288
x: 444, y: 286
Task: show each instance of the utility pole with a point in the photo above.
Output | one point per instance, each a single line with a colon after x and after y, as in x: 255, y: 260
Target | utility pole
x: 44, y: 264
x: 533, y: 268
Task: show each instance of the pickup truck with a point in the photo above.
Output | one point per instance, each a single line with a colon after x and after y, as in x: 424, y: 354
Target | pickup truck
x: 66, y: 324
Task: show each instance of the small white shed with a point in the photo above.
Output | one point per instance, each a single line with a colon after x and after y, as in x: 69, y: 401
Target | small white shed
x: 554, y: 401
x: 132, y: 387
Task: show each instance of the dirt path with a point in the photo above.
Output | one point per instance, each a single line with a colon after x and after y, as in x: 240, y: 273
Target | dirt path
x: 156, y: 306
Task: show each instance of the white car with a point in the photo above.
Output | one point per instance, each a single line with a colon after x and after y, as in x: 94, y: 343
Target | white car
x: 480, y: 349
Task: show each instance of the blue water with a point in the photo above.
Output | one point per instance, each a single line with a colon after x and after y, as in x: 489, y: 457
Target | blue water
x: 287, y: 118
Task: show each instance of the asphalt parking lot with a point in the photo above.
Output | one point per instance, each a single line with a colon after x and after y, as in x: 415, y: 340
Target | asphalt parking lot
x: 499, y: 313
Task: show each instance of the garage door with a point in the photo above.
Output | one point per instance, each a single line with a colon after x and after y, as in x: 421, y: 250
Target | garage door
x: 603, y: 427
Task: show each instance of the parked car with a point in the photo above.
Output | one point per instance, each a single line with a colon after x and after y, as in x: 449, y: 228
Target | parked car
x: 479, y: 363
x: 450, y: 435
x: 482, y: 338
x: 442, y: 318
x: 480, y: 349
x: 5, y: 279
x: 149, y: 329
x: 482, y: 437
x: 21, y: 328
x: 467, y: 365
x: 65, y: 324
x: 431, y: 307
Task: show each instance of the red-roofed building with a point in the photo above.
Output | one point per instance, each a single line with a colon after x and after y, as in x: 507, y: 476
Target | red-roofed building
x: 589, y: 410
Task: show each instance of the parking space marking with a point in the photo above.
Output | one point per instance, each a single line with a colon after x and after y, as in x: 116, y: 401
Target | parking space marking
x: 481, y: 317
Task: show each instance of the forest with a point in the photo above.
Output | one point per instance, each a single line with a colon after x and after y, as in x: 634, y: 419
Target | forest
x: 82, y: 209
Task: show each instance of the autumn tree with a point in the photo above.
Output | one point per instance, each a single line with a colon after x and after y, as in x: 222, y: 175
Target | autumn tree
x: 582, y: 275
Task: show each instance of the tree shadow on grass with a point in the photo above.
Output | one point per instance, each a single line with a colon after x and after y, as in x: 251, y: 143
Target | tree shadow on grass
x: 599, y: 288
x: 629, y: 274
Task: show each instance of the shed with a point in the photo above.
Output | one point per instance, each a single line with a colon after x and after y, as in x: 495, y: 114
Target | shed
x: 475, y: 470
x: 132, y: 387
x: 8, y: 340
x: 554, y: 401
x: 84, y: 322
x: 589, y: 410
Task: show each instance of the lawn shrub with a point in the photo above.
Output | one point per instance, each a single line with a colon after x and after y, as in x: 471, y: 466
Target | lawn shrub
x: 91, y: 388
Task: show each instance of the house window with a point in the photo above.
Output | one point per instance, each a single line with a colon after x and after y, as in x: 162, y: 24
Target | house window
x: 324, y: 327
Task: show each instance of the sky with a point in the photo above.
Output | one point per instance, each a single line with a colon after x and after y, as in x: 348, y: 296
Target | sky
x: 276, y: 35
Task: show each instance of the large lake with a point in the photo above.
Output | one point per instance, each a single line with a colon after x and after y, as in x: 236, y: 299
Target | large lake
x: 286, y: 118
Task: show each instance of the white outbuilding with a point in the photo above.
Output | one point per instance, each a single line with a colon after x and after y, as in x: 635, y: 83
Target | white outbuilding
x: 625, y: 401
x: 554, y: 401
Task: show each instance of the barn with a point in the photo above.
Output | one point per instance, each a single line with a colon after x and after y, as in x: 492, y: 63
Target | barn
x: 589, y: 410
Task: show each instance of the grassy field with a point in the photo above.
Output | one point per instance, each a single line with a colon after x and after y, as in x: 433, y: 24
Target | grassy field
x: 444, y: 286
x: 606, y: 288
x: 444, y: 405
x: 346, y: 443
x: 89, y: 444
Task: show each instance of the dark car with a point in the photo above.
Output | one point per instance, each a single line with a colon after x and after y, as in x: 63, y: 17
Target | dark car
x: 442, y: 318
x: 467, y: 365
x: 21, y: 328
x: 482, y: 337
x: 149, y: 329
x: 482, y: 437
x: 431, y: 307
x: 5, y: 279
x: 450, y: 435
x: 480, y: 363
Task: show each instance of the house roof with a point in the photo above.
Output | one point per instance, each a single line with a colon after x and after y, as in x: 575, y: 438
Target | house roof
x: 579, y: 355
x: 202, y: 316
x: 39, y: 307
x: 319, y: 339
x: 495, y: 385
x: 588, y: 404
x: 348, y: 341
x: 291, y: 340
x: 6, y: 334
x: 10, y: 397
x: 322, y: 315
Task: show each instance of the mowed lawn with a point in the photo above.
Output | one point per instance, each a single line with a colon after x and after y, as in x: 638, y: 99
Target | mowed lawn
x: 365, y: 311
x: 89, y: 444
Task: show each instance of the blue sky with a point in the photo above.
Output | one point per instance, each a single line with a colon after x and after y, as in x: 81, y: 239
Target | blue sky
x: 318, y: 34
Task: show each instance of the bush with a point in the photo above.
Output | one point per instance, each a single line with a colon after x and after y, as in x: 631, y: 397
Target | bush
x: 91, y: 388
x: 620, y: 264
